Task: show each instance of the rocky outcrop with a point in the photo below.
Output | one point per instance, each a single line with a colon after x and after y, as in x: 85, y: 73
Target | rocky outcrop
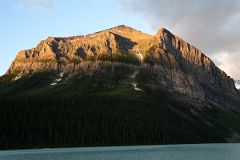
x: 176, y: 64
x: 192, y: 72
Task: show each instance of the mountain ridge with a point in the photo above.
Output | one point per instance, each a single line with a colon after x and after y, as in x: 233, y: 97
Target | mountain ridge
x: 181, y: 67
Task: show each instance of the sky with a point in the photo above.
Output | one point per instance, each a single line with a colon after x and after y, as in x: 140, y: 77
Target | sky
x: 213, y: 26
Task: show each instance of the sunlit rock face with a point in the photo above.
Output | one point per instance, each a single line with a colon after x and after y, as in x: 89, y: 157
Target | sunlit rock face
x: 176, y: 64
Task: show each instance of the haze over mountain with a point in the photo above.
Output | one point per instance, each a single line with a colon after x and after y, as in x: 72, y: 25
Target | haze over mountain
x: 138, y: 88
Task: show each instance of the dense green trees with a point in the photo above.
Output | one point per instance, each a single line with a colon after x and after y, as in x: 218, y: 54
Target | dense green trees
x: 102, y: 109
x: 43, y: 121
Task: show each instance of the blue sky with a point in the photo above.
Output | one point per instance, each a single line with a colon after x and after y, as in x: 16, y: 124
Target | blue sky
x: 25, y: 23
x: 212, y: 27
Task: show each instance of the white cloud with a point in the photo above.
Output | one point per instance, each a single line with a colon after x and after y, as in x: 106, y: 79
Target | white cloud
x: 31, y: 5
x: 225, y: 61
x: 211, y: 25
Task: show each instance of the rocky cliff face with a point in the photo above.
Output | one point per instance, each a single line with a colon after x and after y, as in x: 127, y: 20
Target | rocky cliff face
x: 176, y: 64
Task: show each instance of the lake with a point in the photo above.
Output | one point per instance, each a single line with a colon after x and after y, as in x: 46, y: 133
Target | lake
x: 162, y: 152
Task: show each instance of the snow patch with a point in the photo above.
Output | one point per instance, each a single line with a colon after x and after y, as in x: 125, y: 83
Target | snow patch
x: 17, y: 77
x: 58, y: 80
x: 135, y: 87
x: 140, y: 56
x: 60, y: 75
x: 134, y: 84
x: 53, y: 84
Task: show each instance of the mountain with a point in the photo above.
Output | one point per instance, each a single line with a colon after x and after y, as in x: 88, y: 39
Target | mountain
x: 116, y: 87
x: 178, y: 66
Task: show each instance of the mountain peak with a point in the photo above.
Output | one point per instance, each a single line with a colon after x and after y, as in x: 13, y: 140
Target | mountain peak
x: 163, y: 30
x: 122, y: 26
x: 126, y: 29
x: 163, y: 34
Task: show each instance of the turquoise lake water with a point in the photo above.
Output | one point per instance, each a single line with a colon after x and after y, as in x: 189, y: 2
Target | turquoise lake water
x: 163, y: 152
